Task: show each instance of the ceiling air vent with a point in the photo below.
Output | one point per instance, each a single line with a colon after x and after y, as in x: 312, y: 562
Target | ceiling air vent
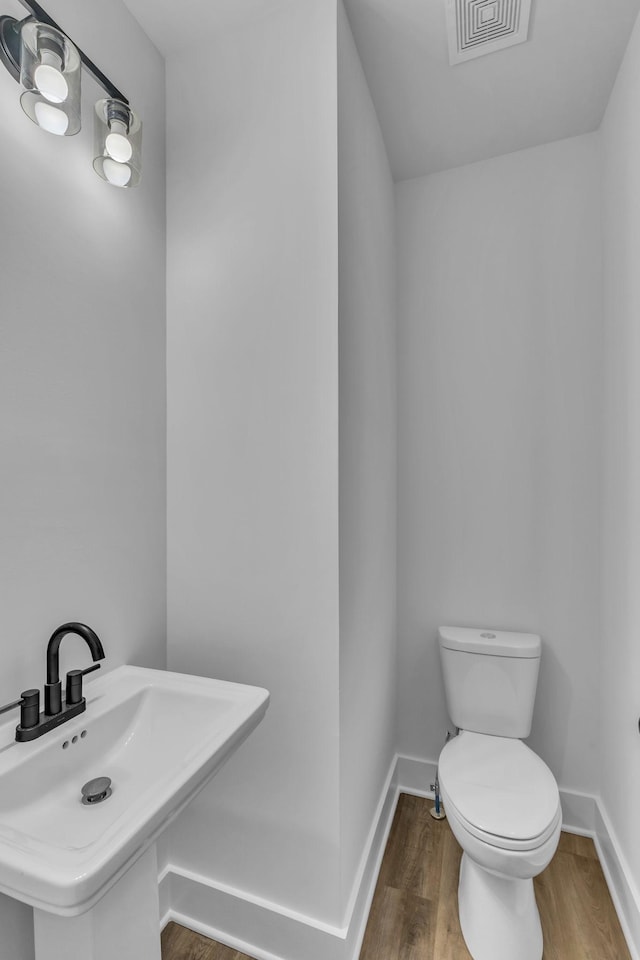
x: 477, y: 27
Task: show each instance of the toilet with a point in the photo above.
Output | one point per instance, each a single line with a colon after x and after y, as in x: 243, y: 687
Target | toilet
x: 501, y: 799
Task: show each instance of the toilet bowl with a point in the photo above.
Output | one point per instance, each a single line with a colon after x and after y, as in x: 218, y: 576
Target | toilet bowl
x: 503, y: 806
x: 501, y: 799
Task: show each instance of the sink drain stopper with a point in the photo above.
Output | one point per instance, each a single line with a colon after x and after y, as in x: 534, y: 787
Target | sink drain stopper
x: 95, y: 791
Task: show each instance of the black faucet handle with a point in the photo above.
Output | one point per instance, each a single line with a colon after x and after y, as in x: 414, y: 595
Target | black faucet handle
x: 29, y: 704
x: 74, y: 683
x: 30, y: 709
x: 95, y: 666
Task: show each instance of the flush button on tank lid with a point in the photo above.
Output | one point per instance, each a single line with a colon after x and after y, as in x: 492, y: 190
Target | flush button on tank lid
x: 95, y: 791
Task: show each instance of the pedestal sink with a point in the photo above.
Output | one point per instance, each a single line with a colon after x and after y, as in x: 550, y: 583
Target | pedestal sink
x: 89, y: 870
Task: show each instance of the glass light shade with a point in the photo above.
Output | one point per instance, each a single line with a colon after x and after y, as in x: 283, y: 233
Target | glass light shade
x: 50, y: 71
x: 117, y: 143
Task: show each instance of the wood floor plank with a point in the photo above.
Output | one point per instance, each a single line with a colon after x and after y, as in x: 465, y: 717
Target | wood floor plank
x: 578, y: 846
x: 416, y: 940
x: 413, y: 857
x: 403, y: 928
x: 449, y: 943
x: 576, y: 911
x: 414, y: 913
x: 386, y: 908
x: 558, y: 931
x: 178, y: 943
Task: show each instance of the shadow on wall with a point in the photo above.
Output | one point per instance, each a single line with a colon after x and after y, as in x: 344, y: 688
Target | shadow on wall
x: 553, y: 706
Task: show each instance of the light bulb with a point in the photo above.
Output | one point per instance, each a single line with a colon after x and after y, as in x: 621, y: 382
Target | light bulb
x: 48, y: 78
x: 51, y: 119
x: 116, y: 173
x: 117, y: 143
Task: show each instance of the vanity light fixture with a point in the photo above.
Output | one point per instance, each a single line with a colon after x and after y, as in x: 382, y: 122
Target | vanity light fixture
x: 39, y: 55
x: 50, y: 70
x: 117, y: 140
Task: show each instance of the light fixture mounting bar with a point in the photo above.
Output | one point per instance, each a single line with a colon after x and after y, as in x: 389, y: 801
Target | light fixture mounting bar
x: 43, y: 17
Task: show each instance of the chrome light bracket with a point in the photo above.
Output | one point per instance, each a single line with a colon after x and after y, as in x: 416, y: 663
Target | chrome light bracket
x: 120, y: 112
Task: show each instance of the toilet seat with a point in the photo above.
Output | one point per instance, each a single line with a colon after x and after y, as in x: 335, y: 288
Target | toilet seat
x: 507, y: 843
x: 502, y: 792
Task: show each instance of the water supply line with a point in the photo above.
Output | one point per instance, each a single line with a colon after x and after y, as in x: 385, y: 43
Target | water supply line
x: 437, y: 811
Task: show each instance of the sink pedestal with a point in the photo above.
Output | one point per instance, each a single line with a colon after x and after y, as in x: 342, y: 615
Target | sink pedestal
x: 123, y: 925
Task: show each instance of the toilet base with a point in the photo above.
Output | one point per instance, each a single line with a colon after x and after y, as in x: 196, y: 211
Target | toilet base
x: 498, y: 915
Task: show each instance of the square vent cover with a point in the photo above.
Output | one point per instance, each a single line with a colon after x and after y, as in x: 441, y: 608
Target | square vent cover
x: 477, y: 27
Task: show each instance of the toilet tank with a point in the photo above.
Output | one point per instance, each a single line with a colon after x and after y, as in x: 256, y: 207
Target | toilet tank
x: 490, y: 679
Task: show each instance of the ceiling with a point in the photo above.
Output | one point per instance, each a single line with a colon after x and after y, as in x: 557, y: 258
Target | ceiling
x: 174, y: 26
x: 434, y: 116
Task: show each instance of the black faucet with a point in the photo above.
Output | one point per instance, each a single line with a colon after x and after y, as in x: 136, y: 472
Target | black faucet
x: 53, y: 686
x: 33, y: 723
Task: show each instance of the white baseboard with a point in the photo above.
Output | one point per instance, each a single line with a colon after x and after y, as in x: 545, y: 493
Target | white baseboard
x: 624, y: 892
x: 415, y: 776
x: 270, y: 931
x: 578, y: 813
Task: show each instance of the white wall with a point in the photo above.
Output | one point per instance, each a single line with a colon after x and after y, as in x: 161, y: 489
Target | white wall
x: 499, y: 274
x: 367, y: 456
x: 253, y: 437
x: 620, y: 775
x: 82, y: 392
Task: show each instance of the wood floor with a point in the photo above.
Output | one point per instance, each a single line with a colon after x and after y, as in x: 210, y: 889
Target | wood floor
x: 178, y: 943
x: 414, y: 914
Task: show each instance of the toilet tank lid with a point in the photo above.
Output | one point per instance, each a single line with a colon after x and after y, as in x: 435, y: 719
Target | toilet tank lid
x: 494, y: 643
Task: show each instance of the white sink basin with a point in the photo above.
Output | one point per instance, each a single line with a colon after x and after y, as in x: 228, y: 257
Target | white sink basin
x: 159, y: 736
